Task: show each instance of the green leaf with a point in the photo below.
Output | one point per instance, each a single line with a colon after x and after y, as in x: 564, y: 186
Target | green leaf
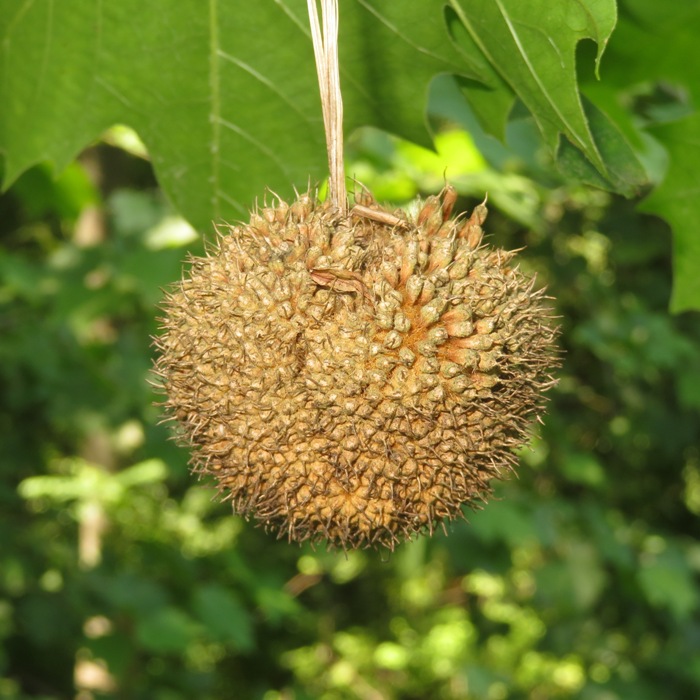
x: 224, y: 616
x: 531, y: 47
x: 130, y: 592
x: 669, y: 57
x: 677, y: 200
x: 583, y: 468
x: 624, y: 173
x: 667, y: 581
x: 165, y: 630
x: 67, y: 196
x: 505, y: 521
x: 489, y: 96
x: 655, y: 41
x: 224, y: 95
x: 146, y: 472
x: 43, y: 619
x: 587, y: 576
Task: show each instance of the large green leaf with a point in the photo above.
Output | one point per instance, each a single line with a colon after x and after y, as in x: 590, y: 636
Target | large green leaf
x: 655, y: 41
x: 678, y: 201
x: 531, y: 47
x: 224, y: 94
x: 655, y: 44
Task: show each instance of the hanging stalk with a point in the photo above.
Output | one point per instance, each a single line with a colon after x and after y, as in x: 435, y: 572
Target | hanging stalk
x: 325, y: 40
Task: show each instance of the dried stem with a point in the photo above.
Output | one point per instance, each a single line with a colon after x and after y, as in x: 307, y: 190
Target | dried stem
x: 325, y: 40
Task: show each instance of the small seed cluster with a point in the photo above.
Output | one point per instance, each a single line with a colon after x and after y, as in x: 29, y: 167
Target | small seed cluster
x: 355, y: 379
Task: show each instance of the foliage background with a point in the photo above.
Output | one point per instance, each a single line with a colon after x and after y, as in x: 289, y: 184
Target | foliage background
x: 121, y: 578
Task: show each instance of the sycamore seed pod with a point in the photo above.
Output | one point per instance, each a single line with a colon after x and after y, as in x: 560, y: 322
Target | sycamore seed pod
x: 358, y: 378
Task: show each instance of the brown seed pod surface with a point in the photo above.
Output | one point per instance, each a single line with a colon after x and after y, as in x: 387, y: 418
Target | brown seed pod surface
x: 356, y: 378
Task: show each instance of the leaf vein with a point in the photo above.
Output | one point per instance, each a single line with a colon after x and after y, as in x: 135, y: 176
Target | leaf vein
x: 536, y: 77
x: 255, y: 142
x: 264, y: 81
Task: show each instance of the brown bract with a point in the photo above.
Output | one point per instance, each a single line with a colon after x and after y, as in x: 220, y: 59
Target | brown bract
x: 355, y: 379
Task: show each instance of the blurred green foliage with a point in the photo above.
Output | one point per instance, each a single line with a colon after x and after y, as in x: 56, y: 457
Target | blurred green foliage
x: 122, y: 577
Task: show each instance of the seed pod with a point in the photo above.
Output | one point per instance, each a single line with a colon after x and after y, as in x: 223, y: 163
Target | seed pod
x: 350, y: 380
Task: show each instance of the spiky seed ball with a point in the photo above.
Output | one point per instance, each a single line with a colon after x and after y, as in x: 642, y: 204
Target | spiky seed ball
x: 355, y: 379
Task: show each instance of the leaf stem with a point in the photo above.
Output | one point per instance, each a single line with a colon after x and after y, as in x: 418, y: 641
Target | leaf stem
x: 325, y: 40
